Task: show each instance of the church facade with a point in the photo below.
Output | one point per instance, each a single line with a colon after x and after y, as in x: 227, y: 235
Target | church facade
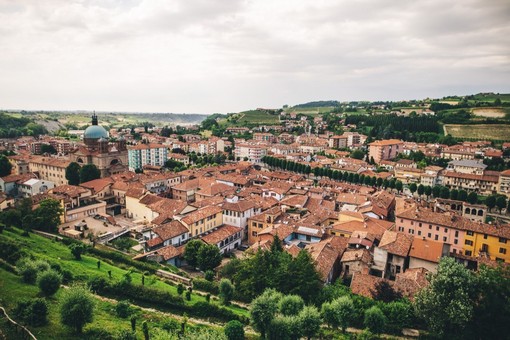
x: 109, y: 157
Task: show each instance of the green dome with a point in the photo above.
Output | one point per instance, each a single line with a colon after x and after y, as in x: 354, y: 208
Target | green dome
x: 95, y: 132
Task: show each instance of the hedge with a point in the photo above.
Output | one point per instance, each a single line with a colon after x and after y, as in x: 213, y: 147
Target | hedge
x: 118, y: 257
x: 206, y: 286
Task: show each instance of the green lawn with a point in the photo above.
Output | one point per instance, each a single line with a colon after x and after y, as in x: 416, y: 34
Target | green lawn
x: 56, y: 252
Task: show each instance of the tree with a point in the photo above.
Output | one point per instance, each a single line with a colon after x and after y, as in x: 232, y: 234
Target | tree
x: 413, y: 187
x: 357, y: 154
x: 48, y: 148
x: 345, y: 309
x: 399, y: 315
x: 421, y: 190
x: 234, y: 330
x: 454, y: 194
x: 89, y: 172
x: 305, y: 278
x: 472, y: 197
x: 226, y: 289
x: 263, y: 310
x: 34, y: 312
x: 76, y: 307
x: 375, y: 320
x: 436, y: 190
x: 208, y: 257
x: 444, y: 192
x: 291, y: 305
x: 451, y: 291
x: 462, y: 196
x: 191, y: 251
x: 310, y: 321
x: 47, y: 216
x: 501, y: 202
x: 428, y: 191
x: 490, y: 202
x: 5, y: 166
x: 49, y: 282
x: 73, y: 173
x: 77, y: 249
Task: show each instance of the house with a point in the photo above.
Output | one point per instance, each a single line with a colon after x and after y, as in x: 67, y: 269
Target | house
x: 237, y: 213
x: 326, y: 257
x: 202, y: 220
x: 79, y: 202
x: 168, y: 254
x: 385, y: 149
x: 391, y: 255
x: 171, y: 233
x: 262, y: 221
x: 355, y: 260
x: 10, y: 184
x: 427, y: 254
x: 226, y: 238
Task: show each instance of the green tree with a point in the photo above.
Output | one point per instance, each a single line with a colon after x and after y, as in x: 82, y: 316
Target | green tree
x: 49, y: 282
x: 191, y: 251
x: 310, y: 321
x: 501, y: 202
x: 208, y: 257
x: 399, y: 315
x: 472, y: 197
x: 226, y: 289
x: 444, y: 192
x: 291, y: 305
x: 77, y: 249
x: 421, y: 190
x: 73, y: 173
x: 76, y: 307
x: 462, y: 196
x: 34, y: 312
x: 48, y: 148
x: 454, y: 194
x: 47, y: 216
x: 89, y: 172
x: 384, y: 292
x: 413, y: 187
x: 263, y: 310
x: 305, y: 278
x: 375, y: 320
x: 490, y: 202
x: 357, y: 154
x: 345, y: 309
x: 451, y: 291
x: 428, y: 191
x: 234, y: 330
x: 5, y: 166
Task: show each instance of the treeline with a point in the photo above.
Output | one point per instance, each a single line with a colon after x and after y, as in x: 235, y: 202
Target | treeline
x: 320, y: 103
x: 397, y: 123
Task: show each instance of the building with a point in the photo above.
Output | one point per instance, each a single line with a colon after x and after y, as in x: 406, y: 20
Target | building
x: 34, y: 186
x: 252, y: 153
x: 504, y: 183
x: 203, y: 220
x: 78, y: 202
x: 147, y: 154
x: 109, y: 157
x: 264, y: 137
x: 385, y: 149
x: 226, y: 238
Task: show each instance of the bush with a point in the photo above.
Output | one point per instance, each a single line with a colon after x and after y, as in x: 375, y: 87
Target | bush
x: 171, y: 325
x: 399, y: 315
x: 121, y: 258
x: 49, y: 282
x: 76, y: 308
x: 98, y: 284
x: 180, y: 288
x: 67, y: 276
x: 27, y: 270
x: 98, y: 334
x: 77, y: 250
x: 33, y: 312
x: 206, y: 286
x: 10, y: 251
x: 123, y: 309
x: 209, y: 275
x: 226, y: 291
x: 234, y: 330
x: 126, y: 335
x: 375, y: 320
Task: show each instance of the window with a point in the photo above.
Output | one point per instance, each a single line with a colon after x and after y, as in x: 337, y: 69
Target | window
x: 470, y: 233
x: 445, y: 230
x: 419, y: 232
x: 444, y: 238
x: 429, y: 235
x: 456, y: 233
x: 400, y: 228
x: 485, y: 236
x: 469, y: 242
x: 502, y: 240
x: 411, y: 231
x: 455, y: 241
x: 436, y: 237
x: 419, y: 224
x: 502, y: 250
x: 401, y: 220
x: 430, y: 226
x: 253, y: 233
x: 469, y: 252
x: 437, y: 228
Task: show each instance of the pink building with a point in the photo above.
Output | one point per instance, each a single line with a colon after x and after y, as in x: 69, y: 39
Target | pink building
x: 385, y: 149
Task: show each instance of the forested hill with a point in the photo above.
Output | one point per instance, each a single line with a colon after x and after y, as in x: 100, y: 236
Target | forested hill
x: 12, y: 127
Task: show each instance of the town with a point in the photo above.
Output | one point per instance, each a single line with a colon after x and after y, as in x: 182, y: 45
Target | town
x: 377, y: 211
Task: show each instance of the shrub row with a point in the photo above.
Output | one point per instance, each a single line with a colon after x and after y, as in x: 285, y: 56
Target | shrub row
x: 206, y: 286
x: 7, y: 266
x: 121, y: 258
x: 159, y: 298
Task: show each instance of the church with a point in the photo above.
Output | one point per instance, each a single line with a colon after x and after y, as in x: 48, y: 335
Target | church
x: 109, y: 157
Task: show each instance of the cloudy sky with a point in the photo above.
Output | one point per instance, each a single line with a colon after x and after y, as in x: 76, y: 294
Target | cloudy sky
x: 205, y: 56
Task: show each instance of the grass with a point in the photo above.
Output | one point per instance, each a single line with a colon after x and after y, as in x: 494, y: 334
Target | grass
x: 12, y: 290
x: 55, y: 252
x: 499, y: 132
x: 256, y: 117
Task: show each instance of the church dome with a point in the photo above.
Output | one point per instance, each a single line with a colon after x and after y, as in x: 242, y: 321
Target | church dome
x: 95, y: 132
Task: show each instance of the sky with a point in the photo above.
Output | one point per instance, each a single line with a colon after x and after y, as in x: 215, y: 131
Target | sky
x: 207, y: 56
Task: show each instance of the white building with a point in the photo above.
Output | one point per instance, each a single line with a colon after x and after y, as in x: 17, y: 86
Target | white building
x: 147, y: 154
x: 35, y: 186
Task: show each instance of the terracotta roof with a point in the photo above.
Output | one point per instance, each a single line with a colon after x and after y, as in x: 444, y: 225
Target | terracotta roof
x: 396, y: 243
x: 69, y: 190
x: 97, y: 185
x: 18, y: 178
x: 295, y: 201
x: 371, y: 225
x: 354, y: 199
x: 282, y: 230
x: 362, y: 255
x: 167, y: 253
x: 411, y: 281
x: 324, y: 256
x: 239, y: 206
x: 487, y: 178
x: 427, y: 250
x: 170, y: 230
x: 221, y: 234
x: 200, y: 214
x: 386, y: 142
x: 142, y: 146
x: 365, y: 284
x: 154, y: 242
x: 216, y: 189
x: 135, y: 192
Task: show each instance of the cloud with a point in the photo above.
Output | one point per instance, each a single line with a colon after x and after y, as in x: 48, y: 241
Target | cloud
x: 222, y: 56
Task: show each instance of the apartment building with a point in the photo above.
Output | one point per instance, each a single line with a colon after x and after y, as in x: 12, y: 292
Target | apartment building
x: 385, y: 149
x: 49, y: 168
x: 203, y: 220
x: 147, y: 154
x: 251, y: 152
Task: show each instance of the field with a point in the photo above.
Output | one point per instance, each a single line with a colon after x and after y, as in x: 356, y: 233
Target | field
x: 252, y: 117
x: 311, y: 111
x: 489, y: 112
x: 499, y: 132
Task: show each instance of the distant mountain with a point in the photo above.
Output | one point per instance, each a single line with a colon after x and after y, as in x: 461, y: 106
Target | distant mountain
x: 320, y: 103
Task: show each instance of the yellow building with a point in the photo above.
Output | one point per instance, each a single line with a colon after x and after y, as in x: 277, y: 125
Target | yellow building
x: 488, y: 241
x: 260, y: 222
x: 49, y: 168
x: 203, y: 220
